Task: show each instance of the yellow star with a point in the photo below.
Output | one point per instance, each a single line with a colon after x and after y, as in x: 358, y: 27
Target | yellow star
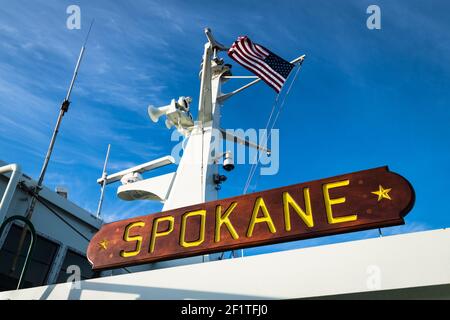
x: 103, y: 244
x: 382, y: 193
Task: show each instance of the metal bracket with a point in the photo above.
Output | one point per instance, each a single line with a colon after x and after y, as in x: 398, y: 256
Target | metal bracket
x: 231, y: 137
x: 224, y: 97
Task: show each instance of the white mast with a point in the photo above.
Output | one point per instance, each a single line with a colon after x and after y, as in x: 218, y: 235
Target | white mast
x: 194, y: 181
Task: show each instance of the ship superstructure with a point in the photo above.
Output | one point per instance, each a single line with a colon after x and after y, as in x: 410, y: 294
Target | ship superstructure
x: 375, y: 268
x: 62, y: 229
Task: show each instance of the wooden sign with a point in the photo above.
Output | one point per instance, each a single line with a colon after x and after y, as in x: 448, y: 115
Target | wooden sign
x: 352, y: 202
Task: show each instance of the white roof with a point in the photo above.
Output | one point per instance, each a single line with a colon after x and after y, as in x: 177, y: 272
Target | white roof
x: 68, y: 206
x: 414, y: 265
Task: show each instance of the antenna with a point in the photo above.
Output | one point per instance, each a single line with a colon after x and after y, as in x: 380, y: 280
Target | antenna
x: 216, y: 45
x: 100, y: 202
x: 77, y: 66
x: 64, y: 108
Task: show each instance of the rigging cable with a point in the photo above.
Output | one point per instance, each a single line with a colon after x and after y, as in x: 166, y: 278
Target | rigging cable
x: 45, y: 203
x: 256, y: 163
x: 256, y: 159
x: 268, y: 132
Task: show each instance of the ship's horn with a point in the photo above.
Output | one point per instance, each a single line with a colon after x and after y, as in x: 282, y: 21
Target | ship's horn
x: 154, y: 113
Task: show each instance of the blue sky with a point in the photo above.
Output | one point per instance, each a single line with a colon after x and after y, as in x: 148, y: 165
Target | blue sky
x: 364, y: 98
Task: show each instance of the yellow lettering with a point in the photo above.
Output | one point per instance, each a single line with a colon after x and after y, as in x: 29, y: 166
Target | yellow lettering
x: 183, y: 242
x: 224, y: 219
x: 126, y: 237
x: 156, y: 234
x: 259, y: 204
x: 329, y: 202
x: 307, y: 216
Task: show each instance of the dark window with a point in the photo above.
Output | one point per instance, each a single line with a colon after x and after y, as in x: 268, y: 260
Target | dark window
x: 73, y: 258
x: 40, y: 261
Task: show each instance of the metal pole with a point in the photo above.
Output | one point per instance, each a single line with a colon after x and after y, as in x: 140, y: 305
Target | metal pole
x: 29, y: 225
x: 10, y: 188
x: 64, y: 108
x: 100, y: 202
x: 380, y: 234
x: 228, y: 95
x: 239, y: 77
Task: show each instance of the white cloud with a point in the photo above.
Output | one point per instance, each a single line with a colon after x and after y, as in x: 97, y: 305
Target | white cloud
x: 35, y: 73
x: 126, y: 210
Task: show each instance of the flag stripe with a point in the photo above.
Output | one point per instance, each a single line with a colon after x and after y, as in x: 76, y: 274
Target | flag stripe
x: 273, y: 74
x: 269, y: 67
x: 260, y: 74
x: 251, y: 50
x: 261, y: 64
x: 237, y: 57
x: 255, y: 63
x: 261, y: 55
x: 261, y: 70
x: 261, y: 49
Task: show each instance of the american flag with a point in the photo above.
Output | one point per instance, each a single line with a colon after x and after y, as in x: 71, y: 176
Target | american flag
x: 269, y: 67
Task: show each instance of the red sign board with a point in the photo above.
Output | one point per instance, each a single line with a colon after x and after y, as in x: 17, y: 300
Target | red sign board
x: 352, y: 202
